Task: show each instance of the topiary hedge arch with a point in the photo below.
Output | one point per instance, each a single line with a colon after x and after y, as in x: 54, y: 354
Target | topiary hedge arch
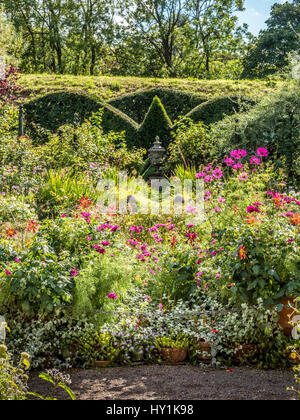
x: 176, y: 103
x: 54, y: 110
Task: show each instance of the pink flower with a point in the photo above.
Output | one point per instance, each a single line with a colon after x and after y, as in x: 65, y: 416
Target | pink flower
x: 252, y: 209
x: 152, y: 272
x: 112, y: 295
x: 17, y: 260
x: 208, y: 179
x: 161, y: 307
x: 74, y: 272
x: 8, y: 273
x: 237, y: 154
x: 217, y: 173
x: 244, y: 176
x: 105, y: 243
x: 218, y: 276
x: 221, y: 200
x: 238, y: 166
x: 229, y: 161
x: 254, y: 160
x: 201, y: 175
x: 262, y: 152
x: 147, y: 299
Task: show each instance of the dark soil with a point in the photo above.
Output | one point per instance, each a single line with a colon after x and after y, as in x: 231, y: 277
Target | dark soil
x: 174, y: 383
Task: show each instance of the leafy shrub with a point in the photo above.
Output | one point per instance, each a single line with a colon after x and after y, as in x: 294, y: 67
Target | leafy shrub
x: 8, y: 84
x: 51, y: 341
x: 15, y: 209
x: 190, y: 145
x: 177, y: 342
x: 99, y: 276
x: 13, y: 380
x: 98, y: 346
x: 156, y: 123
x: 274, y: 123
x: 40, y: 283
x: 88, y: 145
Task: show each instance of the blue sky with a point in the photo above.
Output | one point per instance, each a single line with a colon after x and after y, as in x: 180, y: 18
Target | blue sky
x: 256, y: 13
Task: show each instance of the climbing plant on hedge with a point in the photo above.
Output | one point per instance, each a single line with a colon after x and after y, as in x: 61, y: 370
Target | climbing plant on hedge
x: 156, y: 123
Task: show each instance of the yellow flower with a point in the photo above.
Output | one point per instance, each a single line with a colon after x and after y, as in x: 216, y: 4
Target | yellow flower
x: 293, y: 355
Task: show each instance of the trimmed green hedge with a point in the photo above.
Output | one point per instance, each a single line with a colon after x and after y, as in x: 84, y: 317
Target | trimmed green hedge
x: 274, y: 123
x: 156, y: 123
x: 176, y: 103
x: 54, y: 110
x: 215, y: 110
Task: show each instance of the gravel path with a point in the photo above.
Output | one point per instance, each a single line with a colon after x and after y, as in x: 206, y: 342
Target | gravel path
x: 176, y: 383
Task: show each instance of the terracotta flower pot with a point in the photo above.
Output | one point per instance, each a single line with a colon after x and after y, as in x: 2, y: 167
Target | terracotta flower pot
x: 205, y: 352
x: 286, y: 316
x: 174, y: 355
x: 102, y: 363
x: 246, y: 350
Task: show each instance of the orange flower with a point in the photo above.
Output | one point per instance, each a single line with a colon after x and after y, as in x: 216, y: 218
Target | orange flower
x: 252, y: 220
x: 296, y: 219
x: 11, y: 232
x: 278, y: 200
x: 32, y: 226
x: 85, y: 202
x: 242, y: 253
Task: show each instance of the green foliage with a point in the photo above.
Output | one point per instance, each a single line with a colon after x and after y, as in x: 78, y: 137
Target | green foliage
x: 99, y: 276
x: 178, y: 342
x: 62, y: 190
x: 271, y: 51
x: 98, y: 346
x: 156, y: 123
x: 59, y: 381
x: 52, y: 111
x: 13, y: 380
x: 273, y: 123
x: 15, y: 209
x: 51, y: 341
x: 190, y: 145
x: 41, y: 283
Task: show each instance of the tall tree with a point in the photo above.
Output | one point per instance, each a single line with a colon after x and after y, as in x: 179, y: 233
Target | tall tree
x: 271, y: 51
x: 174, y: 28
x: 213, y: 21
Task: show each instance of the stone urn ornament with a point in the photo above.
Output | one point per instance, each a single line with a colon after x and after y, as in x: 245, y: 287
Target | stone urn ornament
x: 156, y: 155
